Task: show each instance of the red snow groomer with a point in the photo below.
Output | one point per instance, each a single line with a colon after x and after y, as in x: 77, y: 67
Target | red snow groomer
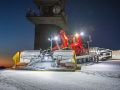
x: 73, y: 42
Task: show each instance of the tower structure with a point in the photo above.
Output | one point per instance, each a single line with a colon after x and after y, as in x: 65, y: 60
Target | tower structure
x: 49, y: 19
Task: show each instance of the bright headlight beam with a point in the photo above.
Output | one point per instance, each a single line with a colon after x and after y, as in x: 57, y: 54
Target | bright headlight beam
x: 76, y: 35
x: 56, y: 38
x: 82, y: 34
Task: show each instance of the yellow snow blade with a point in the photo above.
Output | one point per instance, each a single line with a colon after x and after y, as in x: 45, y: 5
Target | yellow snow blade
x: 16, y: 58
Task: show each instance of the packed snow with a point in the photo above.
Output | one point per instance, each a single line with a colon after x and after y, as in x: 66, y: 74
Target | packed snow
x: 91, y: 77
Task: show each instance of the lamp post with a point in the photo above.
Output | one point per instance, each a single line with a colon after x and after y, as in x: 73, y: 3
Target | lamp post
x: 88, y: 44
x: 51, y: 40
x: 88, y: 41
x: 56, y: 40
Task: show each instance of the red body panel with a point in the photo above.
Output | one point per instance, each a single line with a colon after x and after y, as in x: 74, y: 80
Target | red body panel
x: 74, y: 43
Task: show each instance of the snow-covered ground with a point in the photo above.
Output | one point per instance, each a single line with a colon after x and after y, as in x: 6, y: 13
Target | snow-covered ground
x: 91, y: 77
x: 110, y: 68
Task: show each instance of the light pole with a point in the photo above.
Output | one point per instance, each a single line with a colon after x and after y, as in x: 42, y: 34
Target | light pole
x: 88, y: 41
x: 88, y: 44
x: 51, y: 40
x: 56, y: 40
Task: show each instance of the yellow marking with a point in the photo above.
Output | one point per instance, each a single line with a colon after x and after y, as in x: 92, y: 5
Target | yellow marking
x: 16, y: 58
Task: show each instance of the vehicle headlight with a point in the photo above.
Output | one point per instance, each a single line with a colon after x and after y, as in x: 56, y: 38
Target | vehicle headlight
x: 46, y: 58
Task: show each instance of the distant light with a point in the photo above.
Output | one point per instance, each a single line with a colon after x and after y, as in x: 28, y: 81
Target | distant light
x: 49, y: 39
x: 77, y: 35
x: 56, y: 38
x: 82, y: 34
x: 46, y: 58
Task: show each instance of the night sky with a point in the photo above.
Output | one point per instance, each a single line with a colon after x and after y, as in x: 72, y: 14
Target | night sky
x: 100, y: 17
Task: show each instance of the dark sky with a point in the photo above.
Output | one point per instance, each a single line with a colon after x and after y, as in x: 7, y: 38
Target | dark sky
x: 102, y: 17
